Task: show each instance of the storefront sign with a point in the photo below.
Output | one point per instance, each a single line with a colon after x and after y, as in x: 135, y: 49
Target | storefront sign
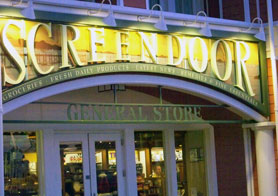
x: 106, y: 112
x: 58, y: 53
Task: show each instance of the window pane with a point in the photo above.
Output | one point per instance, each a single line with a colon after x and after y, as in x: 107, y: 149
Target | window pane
x: 152, y: 3
x: 190, y: 163
x: 20, y: 164
x: 184, y: 6
x: 190, y: 6
x: 149, y: 155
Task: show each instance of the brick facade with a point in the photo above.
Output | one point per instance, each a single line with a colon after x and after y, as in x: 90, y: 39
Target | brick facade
x: 230, y: 160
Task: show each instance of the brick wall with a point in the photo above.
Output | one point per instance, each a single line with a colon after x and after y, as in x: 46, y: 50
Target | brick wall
x: 263, y: 10
x: 253, y: 9
x: 233, y: 10
x: 230, y: 160
x: 135, y: 3
x: 270, y: 89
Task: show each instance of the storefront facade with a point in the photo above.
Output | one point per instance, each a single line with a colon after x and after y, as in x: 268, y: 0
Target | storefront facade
x: 91, y: 109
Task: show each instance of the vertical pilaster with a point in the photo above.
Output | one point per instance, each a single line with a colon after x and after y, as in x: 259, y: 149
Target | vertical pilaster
x: 266, y: 162
x: 130, y: 164
x: 265, y: 158
x: 50, y: 164
x: 170, y: 162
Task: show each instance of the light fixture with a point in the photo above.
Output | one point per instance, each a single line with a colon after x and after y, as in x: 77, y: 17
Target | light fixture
x: 29, y: 12
x: 260, y: 35
x: 205, y: 30
x: 109, y: 19
x: 160, y: 24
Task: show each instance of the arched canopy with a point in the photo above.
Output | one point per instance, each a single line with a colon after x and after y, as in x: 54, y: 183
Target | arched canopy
x: 184, y: 85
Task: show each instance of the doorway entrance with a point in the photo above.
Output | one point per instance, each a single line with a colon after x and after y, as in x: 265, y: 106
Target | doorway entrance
x: 90, y: 164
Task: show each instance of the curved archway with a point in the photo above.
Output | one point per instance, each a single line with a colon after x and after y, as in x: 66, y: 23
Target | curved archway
x: 200, y: 90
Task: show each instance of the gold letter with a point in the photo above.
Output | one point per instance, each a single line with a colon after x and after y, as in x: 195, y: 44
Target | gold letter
x: 214, y: 67
x: 241, y: 69
x: 120, y: 44
x: 193, y: 63
x: 151, y: 50
x: 93, y: 42
x: 13, y: 53
x: 31, y: 47
x: 180, y: 49
x: 69, y: 44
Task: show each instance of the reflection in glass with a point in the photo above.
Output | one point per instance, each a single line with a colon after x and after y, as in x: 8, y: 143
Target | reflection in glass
x: 20, y: 164
x: 106, y: 165
x: 190, y: 163
x: 149, y: 156
x: 72, y: 169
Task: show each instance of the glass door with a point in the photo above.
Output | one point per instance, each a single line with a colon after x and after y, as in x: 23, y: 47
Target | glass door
x: 106, y: 167
x: 89, y: 165
x: 73, y: 164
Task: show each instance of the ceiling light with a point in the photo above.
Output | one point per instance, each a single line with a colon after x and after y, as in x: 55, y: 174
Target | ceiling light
x: 205, y: 30
x: 261, y: 34
x: 160, y: 24
x: 109, y: 19
x: 29, y: 12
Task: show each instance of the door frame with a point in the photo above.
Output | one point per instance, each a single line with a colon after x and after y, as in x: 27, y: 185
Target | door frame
x: 93, y: 137
x: 60, y: 138
x: 89, y: 166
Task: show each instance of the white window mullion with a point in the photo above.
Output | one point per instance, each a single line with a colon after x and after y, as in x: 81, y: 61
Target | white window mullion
x: 220, y: 9
x: 258, y: 8
x: 246, y: 11
x: 120, y: 3
x: 147, y: 4
x: 171, y: 6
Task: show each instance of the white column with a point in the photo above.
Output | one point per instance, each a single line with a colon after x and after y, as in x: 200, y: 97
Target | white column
x: 211, y: 162
x: 40, y: 154
x: 170, y: 162
x: 130, y: 164
x: 265, y: 158
x: 50, y: 165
